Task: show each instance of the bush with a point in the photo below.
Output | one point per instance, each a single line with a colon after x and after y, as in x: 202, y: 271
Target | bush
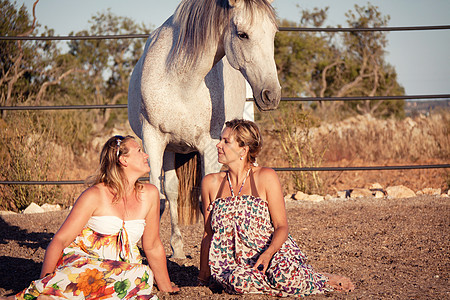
x: 29, y: 153
x: 293, y: 130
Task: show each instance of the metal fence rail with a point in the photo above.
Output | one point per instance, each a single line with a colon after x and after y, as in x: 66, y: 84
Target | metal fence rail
x: 341, y: 169
x: 133, y: 36
x: 304, y: 99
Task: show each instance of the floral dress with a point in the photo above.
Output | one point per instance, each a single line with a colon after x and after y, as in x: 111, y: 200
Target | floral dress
x: 102, y: 262
x: 242, y: 230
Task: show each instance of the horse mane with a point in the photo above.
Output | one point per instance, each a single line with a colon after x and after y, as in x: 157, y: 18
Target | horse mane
x: 200, y: 22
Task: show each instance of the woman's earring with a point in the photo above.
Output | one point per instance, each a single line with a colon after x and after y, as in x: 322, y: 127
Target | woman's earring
x: 242, y: 157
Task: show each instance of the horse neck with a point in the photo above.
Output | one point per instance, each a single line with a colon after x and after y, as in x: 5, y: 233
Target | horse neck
x: 208, y: 58
x: 211, y: 54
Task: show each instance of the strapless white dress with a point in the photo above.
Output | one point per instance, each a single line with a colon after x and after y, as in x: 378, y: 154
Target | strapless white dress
x: 102, y: 262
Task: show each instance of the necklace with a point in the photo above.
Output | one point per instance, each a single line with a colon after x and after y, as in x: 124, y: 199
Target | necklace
x: 242, y: 185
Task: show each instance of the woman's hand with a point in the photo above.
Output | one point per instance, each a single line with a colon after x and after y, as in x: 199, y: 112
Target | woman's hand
x: 172, y: 290
x: 175, y: 289
x: 263, y: 262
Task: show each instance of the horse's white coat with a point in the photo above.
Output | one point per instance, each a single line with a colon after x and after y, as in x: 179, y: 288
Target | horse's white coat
x: 180, y: 103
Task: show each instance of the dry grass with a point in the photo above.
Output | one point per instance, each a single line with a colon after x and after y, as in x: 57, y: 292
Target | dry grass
x: 367, y: 141
x: 371, y: 139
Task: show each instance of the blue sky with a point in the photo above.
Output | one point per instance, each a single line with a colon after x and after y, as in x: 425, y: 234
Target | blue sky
x: 421, y: 58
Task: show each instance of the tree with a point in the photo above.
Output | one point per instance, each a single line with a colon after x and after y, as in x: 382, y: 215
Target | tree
x: 324, y: 65
x: 107, y: 62
x: 15, y: 56
x: 297, y: 54
x: 375, y: 77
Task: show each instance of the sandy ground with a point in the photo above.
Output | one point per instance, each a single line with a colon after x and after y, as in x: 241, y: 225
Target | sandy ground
x: 390, y: 248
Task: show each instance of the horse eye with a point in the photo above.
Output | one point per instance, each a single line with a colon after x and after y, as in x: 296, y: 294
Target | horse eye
x: 242, y: 35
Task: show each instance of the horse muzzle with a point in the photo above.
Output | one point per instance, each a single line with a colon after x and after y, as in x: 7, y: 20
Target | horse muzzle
x: 268, y: 99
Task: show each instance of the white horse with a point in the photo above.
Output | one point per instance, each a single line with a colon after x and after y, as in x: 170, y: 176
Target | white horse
x: 181, y: 91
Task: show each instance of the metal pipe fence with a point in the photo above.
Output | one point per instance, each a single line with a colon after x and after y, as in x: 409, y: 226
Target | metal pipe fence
x: 301, y: 99
x: 297, y: 29
x: 371, y: 168
x: 304, y: 99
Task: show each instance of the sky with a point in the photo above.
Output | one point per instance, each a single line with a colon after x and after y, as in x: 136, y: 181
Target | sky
x: 421, y: 58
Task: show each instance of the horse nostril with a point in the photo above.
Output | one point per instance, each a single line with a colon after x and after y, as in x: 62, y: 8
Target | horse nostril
x: 266, y: 96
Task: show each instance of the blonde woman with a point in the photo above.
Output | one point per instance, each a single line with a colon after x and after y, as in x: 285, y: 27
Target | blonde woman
x: 94, y: 254
x: 246, y: 246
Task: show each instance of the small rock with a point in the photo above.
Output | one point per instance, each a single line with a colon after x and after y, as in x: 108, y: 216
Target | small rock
x: 288, y: 198
x: 6, y: 212
x: 51, y: 207
x: 379, y: 194
x: 343, y: 194
x: 376, y: 185
x: 314, y: 198
x: 33, y: 208
x: 400, y: 191
x: 305, y: 197
x: 300, y: 196
x: 431, y: 191
x: 358, y: 193
x: 328, y: 197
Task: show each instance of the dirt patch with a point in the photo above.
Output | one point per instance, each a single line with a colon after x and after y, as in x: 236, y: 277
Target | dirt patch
x: 391, y: 248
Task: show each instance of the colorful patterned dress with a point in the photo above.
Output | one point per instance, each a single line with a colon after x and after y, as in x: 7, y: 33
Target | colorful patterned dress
x: 102, y: 262
x: 242, y: 230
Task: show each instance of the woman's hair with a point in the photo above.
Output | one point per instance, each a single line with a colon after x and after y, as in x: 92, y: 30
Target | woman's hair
x: 246, y: 133
x: 110, y: 171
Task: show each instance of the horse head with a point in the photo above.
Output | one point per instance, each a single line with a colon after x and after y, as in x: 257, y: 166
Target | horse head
x: 248, y: 43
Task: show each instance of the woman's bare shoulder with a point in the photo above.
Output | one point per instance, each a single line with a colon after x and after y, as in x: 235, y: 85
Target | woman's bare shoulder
x: 96, y: 192
x: 213, y: 178
x: 149, y: 188
x: 150, y: 193
x: 264, y: 173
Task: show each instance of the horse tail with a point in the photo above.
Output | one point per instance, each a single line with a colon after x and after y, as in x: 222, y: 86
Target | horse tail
x: 188, y: 169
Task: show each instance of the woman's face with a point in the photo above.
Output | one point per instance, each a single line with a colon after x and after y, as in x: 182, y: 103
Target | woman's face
x: 136, y: 158
x: 228, y: 149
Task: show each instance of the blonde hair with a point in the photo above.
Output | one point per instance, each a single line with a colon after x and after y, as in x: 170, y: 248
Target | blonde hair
x: 110, y: 171
x: 246, y: 133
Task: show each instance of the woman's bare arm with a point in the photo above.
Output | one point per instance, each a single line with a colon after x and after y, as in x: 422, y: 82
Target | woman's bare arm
x: 268, y: 179
x: 151, y: 242
x: 209, y: 183
x: 82, y: 210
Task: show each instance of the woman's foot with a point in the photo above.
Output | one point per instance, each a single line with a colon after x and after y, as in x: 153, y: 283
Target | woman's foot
x: 339, y: 283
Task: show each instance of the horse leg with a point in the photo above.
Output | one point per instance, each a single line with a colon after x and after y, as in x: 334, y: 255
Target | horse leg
x: 209, y: 158
x: 171, y: 191
x: 154, y: 146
